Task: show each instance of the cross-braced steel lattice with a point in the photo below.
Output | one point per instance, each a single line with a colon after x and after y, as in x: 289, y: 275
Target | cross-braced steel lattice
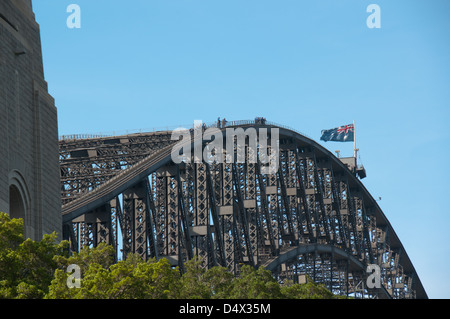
x: 311, y: 217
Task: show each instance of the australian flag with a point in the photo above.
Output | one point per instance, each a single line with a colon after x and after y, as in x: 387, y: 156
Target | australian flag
x: 344, y: 133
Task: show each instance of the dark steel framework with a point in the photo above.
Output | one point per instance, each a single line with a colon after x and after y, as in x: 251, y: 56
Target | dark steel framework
x: 313, y: 217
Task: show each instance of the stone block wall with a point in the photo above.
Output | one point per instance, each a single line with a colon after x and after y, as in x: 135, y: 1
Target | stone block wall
x: 29, y: 166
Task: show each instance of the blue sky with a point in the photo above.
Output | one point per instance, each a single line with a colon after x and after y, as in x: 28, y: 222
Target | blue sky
x: 311, y: 65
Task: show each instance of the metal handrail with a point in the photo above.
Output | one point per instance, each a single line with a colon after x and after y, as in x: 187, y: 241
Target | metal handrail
x: 208, y: 125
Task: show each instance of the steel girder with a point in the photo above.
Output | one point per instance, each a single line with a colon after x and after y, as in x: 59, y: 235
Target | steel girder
x: 312, y: 216
x: 86, y: 164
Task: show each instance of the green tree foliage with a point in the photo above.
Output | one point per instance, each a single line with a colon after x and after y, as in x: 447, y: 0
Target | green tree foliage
x: 30, y: 269
x: 135, y: 278
x: 132, y: 278
x: 255, y: 284
x: 200, y: 283
x: 309, y: 290
x: 26, y: 266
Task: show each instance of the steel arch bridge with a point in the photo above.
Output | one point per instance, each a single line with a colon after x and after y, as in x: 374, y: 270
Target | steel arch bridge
x: 310, y: 217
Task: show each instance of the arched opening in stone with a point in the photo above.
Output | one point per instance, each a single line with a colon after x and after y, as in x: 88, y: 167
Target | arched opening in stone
x: 16, y: 203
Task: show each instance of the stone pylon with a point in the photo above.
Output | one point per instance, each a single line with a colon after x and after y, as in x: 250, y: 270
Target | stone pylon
x: 29, y: 166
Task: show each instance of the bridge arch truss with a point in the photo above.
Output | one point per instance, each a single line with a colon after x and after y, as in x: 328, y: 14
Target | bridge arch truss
x: 311, y: 218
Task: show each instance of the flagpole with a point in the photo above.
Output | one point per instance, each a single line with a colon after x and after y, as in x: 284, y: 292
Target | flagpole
x: 354, y: 139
